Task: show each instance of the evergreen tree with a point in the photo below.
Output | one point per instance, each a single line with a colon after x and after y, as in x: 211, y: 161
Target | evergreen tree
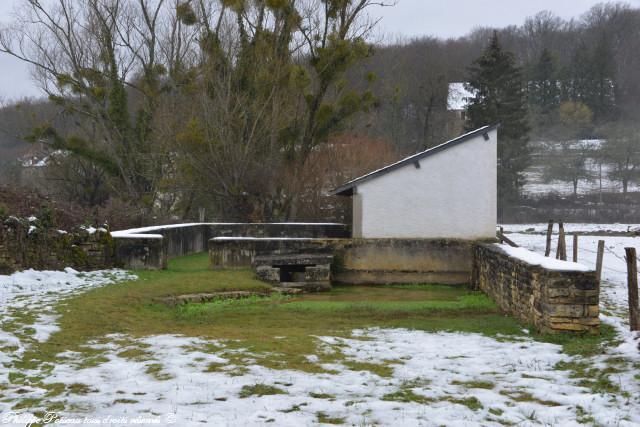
x: 601, y: 96
x: 544, y: 90
x: 499, y: 98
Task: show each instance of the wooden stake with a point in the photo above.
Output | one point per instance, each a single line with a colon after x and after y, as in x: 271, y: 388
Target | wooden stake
x: 509, y: 242
x: 501, y: 234
x: 575, y: 248
x: 547, y: 251
x: 632, y: 285
x: 599, y: 260
x: 561, y: 253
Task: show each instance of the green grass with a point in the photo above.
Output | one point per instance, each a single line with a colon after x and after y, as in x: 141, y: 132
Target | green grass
x: 323, y: 418
x: 259, y: 390
x: 130, y: 308
x: 406, y: 395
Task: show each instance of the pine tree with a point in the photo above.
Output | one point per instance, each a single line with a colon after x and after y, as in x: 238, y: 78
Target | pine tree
x: 544, y: 92
x: 499, y: 98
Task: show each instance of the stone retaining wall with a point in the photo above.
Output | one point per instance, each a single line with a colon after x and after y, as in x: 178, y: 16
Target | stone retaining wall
x: 393, y: 261
x: 24, y: 246
x: 551, y: 300
x: 361, y: 261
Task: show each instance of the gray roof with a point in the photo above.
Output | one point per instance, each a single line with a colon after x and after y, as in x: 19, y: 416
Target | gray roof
x: 347, y: 188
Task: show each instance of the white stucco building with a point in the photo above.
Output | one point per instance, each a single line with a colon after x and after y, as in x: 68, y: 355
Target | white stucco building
x: 449, y: 191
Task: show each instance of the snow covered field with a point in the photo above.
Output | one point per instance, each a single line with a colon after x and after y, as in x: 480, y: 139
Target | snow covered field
x: 544, y: 152
x: 435, y: 378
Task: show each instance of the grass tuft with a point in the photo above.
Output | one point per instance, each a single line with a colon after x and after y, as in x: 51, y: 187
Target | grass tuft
x: 259, y: 390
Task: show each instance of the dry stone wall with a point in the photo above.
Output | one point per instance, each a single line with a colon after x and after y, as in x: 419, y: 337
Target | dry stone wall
x: 551, y: 300
x: 24, y: 245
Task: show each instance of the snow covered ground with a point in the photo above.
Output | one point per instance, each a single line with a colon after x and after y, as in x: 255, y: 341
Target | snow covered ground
x: 543, y: 153
x: 435, y: 379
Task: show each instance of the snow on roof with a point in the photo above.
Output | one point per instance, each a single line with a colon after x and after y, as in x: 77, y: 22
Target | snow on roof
x: 458, y: 98
x: 533, y: 258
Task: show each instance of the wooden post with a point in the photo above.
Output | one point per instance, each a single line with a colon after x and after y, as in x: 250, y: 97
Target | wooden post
x: 632, y: 285
x: 501, y: 234
x: 575, y: 247
x: 599, y: 260
x: 564, y: 244
x: 561, y: 253
x: 547, y: 251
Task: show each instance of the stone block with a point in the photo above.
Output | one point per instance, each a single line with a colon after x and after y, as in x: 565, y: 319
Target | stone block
x: 593, y: 311
x: 565, y: 310
x: 318, y: 273
x: 307, y: 286
x: 569, y: 327
x: 268, y: 274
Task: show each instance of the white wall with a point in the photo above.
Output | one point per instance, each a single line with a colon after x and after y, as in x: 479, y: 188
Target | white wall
x: 452, y: 195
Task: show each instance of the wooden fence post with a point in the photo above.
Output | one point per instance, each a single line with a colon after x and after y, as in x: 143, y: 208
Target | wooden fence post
x: 599, y: 260
x: 575, y: 247
x: 547, y: 251
x: 632, y: 285
x: 562, y: 244
x: 501, y: 234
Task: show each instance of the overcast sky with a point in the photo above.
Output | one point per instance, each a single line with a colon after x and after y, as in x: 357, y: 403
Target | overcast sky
x: 409, y: 18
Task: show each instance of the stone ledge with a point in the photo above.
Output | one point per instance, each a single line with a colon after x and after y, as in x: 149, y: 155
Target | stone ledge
x: 174, y: 301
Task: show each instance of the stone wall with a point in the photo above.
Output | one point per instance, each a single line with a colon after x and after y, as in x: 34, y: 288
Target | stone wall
x: 387, y: 261
x: 140, y: 248
x: 240, y: 252
x: 24, y: 246
x: 551, y: 300
x: 142, y: 253
x: 361, y: 261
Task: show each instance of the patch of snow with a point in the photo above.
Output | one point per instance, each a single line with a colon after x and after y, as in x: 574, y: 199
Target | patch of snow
x: 32, y: 219
x: 32, y: 228
x: 170, y: 226
x: 549, y: 263
x: 541, y: 228
x: 36, y: 292
x: 230, y: 238
x: 459, y: 97
x: 434, y: 366
x: 90, y: 229
x: 136, y: 236
x: 614, y: 304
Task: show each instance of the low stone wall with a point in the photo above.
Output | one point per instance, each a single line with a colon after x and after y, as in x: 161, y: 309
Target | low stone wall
x: 553, y: 300
x: 143, y: 253
x: 389, y: 261
x: 240, y: 252
x: 24, y: 245
x: 139, y: 248
x: 361, y: 261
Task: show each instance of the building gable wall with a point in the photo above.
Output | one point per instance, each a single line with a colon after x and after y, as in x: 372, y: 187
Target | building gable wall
x: 451, y: 195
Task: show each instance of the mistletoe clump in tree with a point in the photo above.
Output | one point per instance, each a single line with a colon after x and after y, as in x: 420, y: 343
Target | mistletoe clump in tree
x: 496, y: 81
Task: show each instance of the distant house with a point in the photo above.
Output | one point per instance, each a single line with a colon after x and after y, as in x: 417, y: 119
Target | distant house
x: 458, y: 99
x: 448, y: 191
